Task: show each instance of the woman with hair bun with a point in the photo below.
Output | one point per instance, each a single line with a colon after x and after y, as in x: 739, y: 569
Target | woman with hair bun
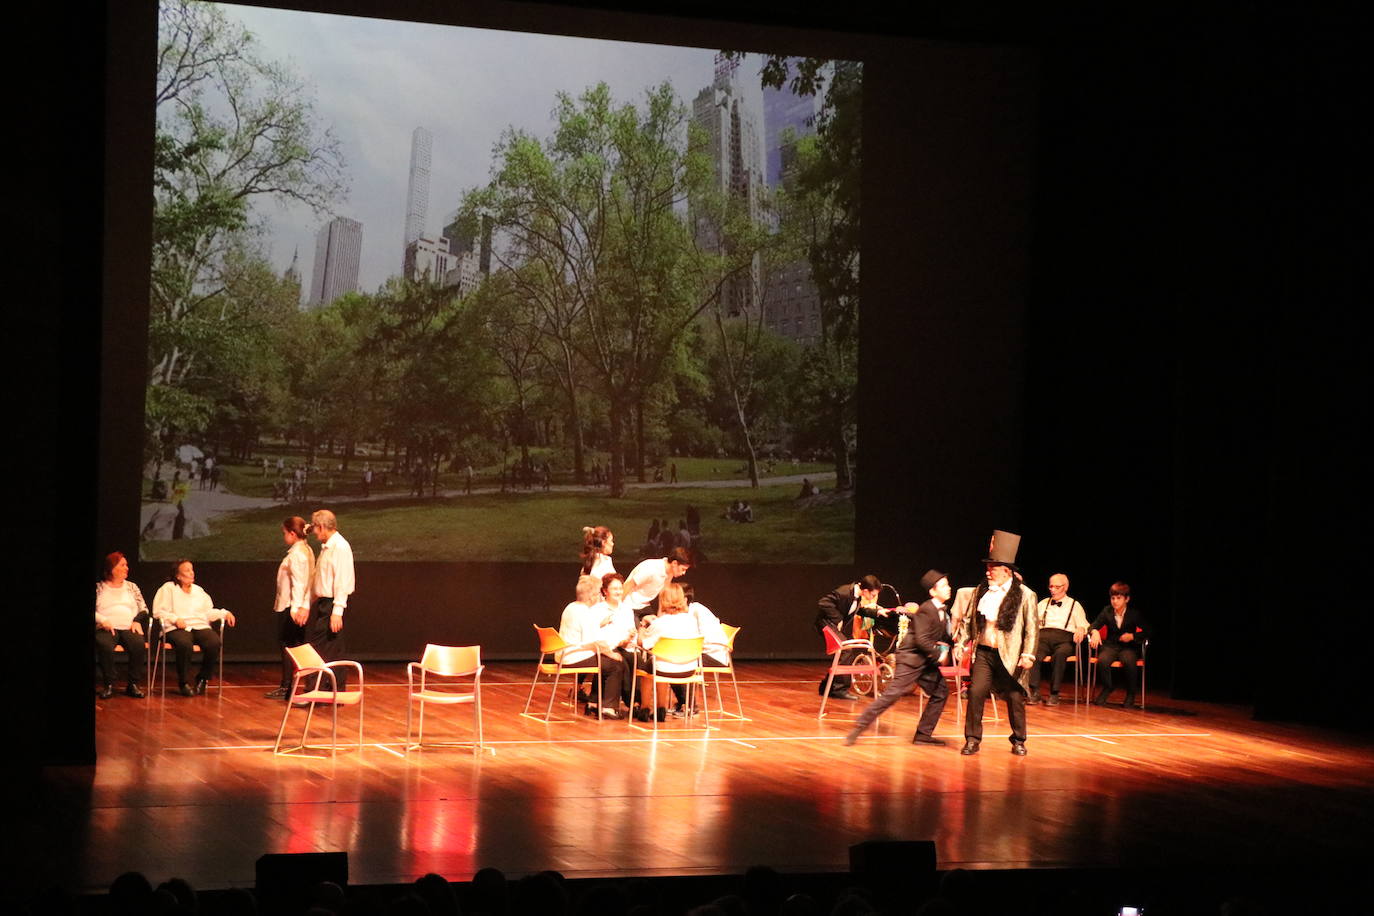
x: 293, y: 596
x: 597, y: 546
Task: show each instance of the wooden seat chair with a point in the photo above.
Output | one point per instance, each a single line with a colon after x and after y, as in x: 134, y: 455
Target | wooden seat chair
x: 674, y: 651
x: 715, y: 673
x: 325, y: 692
x: 551, y: 645
x: 436, y: 678
x: 163, y: 646
x: 864, y: 663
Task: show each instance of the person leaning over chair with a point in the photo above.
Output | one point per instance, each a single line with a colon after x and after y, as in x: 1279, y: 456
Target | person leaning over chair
x: 1063, y: 624
x: 838, y: 609
x: 185, y: 612
x: 581, y: 628
x: 1119, y: 630
x: 292, y: 603
x: 649, y: 577
x: 120, y: 614
x: 330, y: 589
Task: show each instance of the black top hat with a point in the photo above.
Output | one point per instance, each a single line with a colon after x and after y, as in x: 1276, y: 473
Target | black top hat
x: 1002, y: 547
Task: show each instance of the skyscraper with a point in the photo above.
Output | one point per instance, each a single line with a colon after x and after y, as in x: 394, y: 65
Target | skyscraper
x: 783, y: 109
x: 731, y: 128
x: 338, y: 250
x: 417, y: 194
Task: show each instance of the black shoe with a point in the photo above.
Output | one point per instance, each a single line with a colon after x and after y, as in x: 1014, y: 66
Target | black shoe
x: 1033, y: 699
x: 1053, y: 700
x: 846, y: 695
x: 1100, y: 699
x: 280, y: 693
x: 106, y: 692
x: 1130, y: 702
x: 1018, y: 748
x: 590, y: 710
x: 661, y: 714
x: 134, y: 691
x: 186, y: 690
x: 853, y: 736
x: 927, y: 739
x: 641, y: 714
x: 970, y: 747
x: 201, y: 684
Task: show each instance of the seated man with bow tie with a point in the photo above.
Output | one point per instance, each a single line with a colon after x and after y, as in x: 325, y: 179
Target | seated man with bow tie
x: 1063, y: 624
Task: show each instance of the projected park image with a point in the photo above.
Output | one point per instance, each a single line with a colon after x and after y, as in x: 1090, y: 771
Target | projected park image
x: 474, y: 290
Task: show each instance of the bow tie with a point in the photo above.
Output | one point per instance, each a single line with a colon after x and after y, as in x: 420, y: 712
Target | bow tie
x: 1056, y: 603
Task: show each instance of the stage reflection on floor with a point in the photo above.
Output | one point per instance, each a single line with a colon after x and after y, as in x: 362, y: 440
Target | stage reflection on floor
x: 190, y: 787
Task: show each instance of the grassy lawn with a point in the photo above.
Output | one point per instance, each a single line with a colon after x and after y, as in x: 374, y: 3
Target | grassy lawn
x: 537, y: 526
x: 248, y: 480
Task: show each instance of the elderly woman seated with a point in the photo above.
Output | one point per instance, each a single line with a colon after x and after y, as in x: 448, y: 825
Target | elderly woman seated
x: 185, y: 612
x: 582, y: 629
x: 672, y: 622
x: 119, y: 618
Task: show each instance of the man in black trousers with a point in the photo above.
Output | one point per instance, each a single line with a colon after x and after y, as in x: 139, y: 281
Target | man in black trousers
x: 838, y: 609
x: 922, y: 648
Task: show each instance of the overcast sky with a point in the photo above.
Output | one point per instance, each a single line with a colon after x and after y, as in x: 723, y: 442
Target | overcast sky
x: 374, y: 81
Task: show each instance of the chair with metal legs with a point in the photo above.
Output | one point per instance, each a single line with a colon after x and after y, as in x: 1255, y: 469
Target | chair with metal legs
x: 715, y: 672
x: 865, y: 662
x: 436, y: 677
x: 957, y: 675
x: 1139, y: 663
x: 551, y: 645
x: 325, y: 692
x: 163, y: 646
x: 673, y: 651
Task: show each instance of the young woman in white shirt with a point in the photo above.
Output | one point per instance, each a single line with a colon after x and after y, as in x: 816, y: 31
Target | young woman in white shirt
x: 597, y: 546
x: 185, y: 612
x: 292, y: 603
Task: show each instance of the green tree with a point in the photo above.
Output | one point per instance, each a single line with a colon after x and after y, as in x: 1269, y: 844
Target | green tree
x: 821, y: 212
x: 232, y: 128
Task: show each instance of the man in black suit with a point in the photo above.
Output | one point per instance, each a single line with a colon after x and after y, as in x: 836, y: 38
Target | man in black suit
x: 838, y: 609
x: 1119, y: 630
x: 921, y: 650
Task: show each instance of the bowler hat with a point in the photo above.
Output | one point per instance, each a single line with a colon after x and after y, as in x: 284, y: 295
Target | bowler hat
x: 930, y: 579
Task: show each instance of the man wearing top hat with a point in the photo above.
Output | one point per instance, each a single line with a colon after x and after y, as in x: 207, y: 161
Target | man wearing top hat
x: 922, y: 648
x: 998, y: 618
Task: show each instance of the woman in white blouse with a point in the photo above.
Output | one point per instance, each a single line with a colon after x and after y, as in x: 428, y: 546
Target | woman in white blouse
x: 582, y: 629
x: 673, y: 622
x: 597, y: 546
x: 185, y: 612
x: 119, y: 617
x: 293, y: 597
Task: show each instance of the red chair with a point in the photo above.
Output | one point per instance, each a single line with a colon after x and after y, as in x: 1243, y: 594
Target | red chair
x: 551, y: 645
x: 957, y: 674
x: 865, y: 661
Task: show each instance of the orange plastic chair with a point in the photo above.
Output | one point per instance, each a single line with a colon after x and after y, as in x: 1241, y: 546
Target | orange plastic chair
x: 551, y: 645
x: 866, y: 662
x: 309, y: 664
x: 675, y: 651
x: 439, y: 670
x: 715, y: 673
x: 1139, y: 663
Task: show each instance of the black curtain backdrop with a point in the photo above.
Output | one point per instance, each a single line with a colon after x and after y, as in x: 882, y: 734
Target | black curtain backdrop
x: 1114, y: 300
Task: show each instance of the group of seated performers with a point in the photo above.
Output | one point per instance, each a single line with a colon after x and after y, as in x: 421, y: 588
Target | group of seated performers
x: 182, y: 615
x: 619, y: 621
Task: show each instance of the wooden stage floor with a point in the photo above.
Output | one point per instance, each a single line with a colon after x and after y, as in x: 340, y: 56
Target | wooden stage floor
x: 189, y: 787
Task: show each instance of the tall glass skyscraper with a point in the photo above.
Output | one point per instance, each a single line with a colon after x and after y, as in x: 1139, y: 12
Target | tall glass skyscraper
x: 417, y: 194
